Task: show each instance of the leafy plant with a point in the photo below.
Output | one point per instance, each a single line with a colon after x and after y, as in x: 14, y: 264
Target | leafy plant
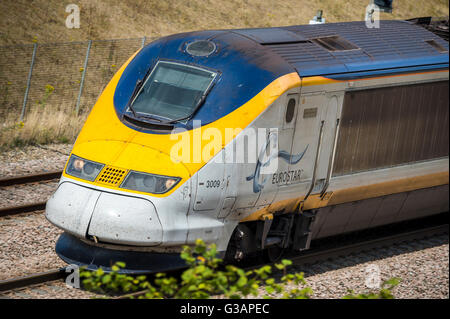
x: 48, y: 91
x: 202, y: 279
x: 114, y: 281
x: 205, y: 277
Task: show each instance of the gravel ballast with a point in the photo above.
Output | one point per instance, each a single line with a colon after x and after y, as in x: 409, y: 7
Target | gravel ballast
x: 27, y: 194
x: 421, y: 265
x: 33, y: 159
x: 27, y: 245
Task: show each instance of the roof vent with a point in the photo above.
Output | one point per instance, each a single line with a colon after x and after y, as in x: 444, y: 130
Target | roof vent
x: 335, y: 43
x: 437, y: 46
x: 201, y: 48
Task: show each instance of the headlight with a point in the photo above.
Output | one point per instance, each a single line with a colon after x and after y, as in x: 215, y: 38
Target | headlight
x: 149, y: 183
x: 82, y: 168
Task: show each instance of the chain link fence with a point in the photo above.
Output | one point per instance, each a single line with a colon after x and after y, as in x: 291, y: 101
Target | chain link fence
x: 67, y: 77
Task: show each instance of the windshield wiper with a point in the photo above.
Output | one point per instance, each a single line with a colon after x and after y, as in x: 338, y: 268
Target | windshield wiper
x: 130, y: 104
x: 142, y: 122
x: 137, y: 87
x: 151, y: 117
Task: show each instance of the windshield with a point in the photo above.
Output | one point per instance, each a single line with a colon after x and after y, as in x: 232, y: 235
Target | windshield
x: 172, y: 90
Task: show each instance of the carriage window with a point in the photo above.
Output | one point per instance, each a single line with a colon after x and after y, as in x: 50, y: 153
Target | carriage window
x: 290, y: 110
x: 389, y: 126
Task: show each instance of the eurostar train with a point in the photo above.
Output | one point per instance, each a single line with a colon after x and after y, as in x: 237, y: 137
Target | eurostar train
x: 362, y: 131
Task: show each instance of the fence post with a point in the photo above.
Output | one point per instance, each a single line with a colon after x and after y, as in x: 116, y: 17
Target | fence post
x: 25, y: 98
x: 77, y: 108
x: 143, y: 41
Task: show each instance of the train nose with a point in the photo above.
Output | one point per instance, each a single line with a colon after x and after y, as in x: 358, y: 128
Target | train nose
x: 111, y: 218
x: 125, y: 220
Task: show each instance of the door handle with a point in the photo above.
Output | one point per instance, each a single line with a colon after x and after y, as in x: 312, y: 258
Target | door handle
x: 331, y: 160
x: 319, y: 143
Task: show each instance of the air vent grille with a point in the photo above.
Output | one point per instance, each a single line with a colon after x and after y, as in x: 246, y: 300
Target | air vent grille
x: 335, y: 43
x: 437, y: 46
x: 112, y: 176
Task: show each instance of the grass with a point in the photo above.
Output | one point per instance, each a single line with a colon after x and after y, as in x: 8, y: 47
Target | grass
x: 21, y: 21
x: 41, y: 127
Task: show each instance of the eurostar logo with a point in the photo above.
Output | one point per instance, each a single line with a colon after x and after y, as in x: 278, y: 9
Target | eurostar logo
x: 269, y: 166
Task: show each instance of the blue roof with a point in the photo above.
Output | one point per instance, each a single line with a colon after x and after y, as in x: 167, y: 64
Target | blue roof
x: 248, y: 60
x: 395, y: 44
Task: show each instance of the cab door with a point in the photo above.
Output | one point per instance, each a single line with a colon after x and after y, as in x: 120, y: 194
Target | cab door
x: 306, y: 135
x: 315, y: 133
x: 330, y: 118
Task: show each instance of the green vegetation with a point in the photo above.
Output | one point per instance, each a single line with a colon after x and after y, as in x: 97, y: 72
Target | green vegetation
x: 205, y: 277
x: 48, y: 91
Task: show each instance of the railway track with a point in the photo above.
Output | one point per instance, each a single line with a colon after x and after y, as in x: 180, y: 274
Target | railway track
x: 14, y: 210
x: 34, y: 279
x: 29, y: 178
x: 311, y: 256
x: 321, y: 255
x: 26, y: 179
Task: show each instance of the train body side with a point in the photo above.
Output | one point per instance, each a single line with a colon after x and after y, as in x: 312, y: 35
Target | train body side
x: 387, y: 161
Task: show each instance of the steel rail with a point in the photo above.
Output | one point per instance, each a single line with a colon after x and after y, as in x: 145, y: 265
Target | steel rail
x: 25, y: 179
x: 34, y: 279
x: 30, y: 178
x: 27, y: 208
x: 320, y: 255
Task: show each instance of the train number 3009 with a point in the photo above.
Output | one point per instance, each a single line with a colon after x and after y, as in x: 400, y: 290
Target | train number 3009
x: 212, y: 184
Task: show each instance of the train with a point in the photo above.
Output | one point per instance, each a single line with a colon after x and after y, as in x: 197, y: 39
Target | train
x: 258, y: 141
